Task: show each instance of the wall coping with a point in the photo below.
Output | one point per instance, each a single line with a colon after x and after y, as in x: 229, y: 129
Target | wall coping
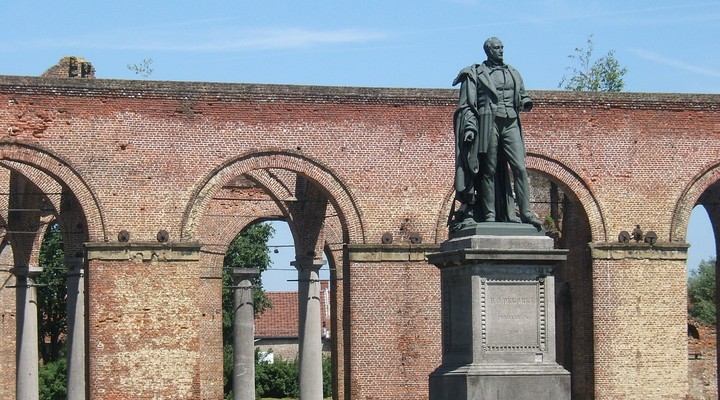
x: 143, y: 251
x: 34, y: 86
x: 638, y: 251
x: 391, y: 252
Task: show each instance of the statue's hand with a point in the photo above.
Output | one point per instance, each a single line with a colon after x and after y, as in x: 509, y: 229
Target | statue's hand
x: 527, y: 106
x: 469, y: 136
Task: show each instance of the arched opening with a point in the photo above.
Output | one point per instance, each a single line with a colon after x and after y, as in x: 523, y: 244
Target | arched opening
x: 317, y: 236
x: 566, y: 221
x: 276, y: 337
x: 702, y: 306
x: 43, y: 229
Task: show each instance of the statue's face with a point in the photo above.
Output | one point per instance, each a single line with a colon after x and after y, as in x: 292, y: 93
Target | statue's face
x: 495, y: 51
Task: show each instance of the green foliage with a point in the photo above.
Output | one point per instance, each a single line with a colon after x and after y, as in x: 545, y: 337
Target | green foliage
x: 51, y: 294
x: 248, y: 250
x: 604, y: 74
x: 701, y: 292
x: 280, y: 379
x: 52, y: 310
x: 53, y: 384
x: 327, y: 376
x: 143, y: 69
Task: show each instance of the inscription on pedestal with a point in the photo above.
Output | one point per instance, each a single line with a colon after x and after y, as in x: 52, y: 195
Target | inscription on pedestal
x: 513, y: 313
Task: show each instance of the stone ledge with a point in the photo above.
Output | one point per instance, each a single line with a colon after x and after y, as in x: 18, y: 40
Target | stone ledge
x: 473, y: 256
x: 142, y: 251
x: 639, y: 251
x: 390, y: 252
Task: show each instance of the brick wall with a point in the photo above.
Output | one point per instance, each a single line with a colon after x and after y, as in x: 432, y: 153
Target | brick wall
x: 640, y: 329
x: 143, y: 328
x: 149, y: 156
x: 394, y: 329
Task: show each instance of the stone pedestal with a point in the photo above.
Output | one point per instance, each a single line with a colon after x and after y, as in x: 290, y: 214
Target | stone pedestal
x: 498, y: 309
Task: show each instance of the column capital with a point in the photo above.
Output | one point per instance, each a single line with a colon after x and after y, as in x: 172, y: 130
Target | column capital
x: 75, y: 265
x: 306, y: 262
x: 27, y: 271
x: 241, y: 274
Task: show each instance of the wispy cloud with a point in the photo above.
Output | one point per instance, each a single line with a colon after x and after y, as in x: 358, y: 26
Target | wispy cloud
x: 654, y: 57
x: 554, y: 11
x: 167, y: 38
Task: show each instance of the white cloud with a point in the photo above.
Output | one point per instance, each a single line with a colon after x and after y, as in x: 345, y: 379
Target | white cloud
x: 654, y: 57
x: 209, y: 40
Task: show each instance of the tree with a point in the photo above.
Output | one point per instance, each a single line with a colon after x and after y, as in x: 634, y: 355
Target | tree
x: 52, y: 329
x: 701, y: 292
x: 604, y: 74
x: 52, y: 296
x: 249, y: 249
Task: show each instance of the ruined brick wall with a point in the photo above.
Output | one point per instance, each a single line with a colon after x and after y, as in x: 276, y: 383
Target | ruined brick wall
x: 150, y: 156
x: 702, y: 373
x: 71, y: 67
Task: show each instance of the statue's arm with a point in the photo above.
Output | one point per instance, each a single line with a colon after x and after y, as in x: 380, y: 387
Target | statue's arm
x: 526, y: 103
x: 466, y: 123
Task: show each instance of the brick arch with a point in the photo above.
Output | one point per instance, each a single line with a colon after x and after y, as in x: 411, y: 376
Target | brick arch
x: 688, y: 200
x: 338, y: 193
x: 570, y: 182
x: 61, y: 171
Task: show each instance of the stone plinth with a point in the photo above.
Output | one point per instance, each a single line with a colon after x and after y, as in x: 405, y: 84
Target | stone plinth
x: 498, y: 311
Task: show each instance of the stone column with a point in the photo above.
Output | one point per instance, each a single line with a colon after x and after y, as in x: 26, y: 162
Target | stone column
x: 498, y: 316
x: 243, y: 334
x: 26, y: 382
x: 75, y: 328
x: 310, y: 328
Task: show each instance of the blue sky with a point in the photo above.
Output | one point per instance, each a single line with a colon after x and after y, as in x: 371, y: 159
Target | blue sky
x: 667, y: 46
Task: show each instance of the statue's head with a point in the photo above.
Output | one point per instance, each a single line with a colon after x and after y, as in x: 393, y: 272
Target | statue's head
x: 494, y: 50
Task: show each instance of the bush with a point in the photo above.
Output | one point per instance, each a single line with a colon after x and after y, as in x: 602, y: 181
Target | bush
x: 327, y: 376
x: 52, y: 380
x: 280, y: 379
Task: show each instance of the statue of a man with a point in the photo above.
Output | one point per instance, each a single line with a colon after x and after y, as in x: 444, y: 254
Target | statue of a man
x: 488, y: 139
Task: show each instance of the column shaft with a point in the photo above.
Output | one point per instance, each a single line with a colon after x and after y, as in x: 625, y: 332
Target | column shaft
x: 310, y: 332
x: 243, y: 335
x: 27, y: 334
x: 76, y: 330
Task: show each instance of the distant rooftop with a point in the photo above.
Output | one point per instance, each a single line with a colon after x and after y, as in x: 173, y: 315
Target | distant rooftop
x: 281, y: 321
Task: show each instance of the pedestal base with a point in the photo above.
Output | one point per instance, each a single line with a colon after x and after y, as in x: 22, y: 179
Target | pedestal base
x: 497, y: 382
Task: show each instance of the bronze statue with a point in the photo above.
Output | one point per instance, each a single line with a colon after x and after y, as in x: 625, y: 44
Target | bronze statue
x: 488, y: 140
